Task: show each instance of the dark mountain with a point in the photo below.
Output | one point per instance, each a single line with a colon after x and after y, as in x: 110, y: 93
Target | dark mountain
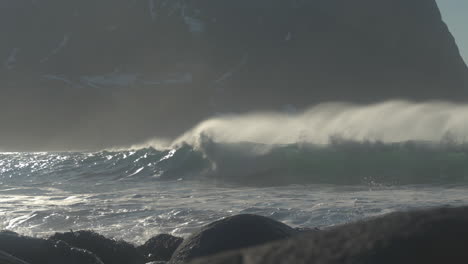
x: 95, y: 73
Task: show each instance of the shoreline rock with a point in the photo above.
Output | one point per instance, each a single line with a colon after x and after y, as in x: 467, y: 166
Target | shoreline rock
x: 423, y: 236
x: 38, y: 251
x: 109, y: 250
x: 6, y: 258
x: 160, y: 247
x: 235, y: 232
x: 420, y: 236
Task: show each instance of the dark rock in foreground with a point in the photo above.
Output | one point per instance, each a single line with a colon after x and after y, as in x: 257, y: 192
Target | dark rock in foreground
x: 429, y: 236
x: 424, y: 236
x: 160, y: 247
x: 109, y: 250
x: 9, y: 259
x: 39, y: 251
x: 234, y: 232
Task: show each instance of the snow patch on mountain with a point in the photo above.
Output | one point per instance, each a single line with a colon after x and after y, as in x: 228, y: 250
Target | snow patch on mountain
x: 121, y: 80
x: 233, y: 70
x: 111, y: 79
x: 195, y: 25
x: 180, y: 78
x: 60, y: 78
x: 152, y: 9
x: 116, y: 79
x: 63, y: 43
x: 11, y: 60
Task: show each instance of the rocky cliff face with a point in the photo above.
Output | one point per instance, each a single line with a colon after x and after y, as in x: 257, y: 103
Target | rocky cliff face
x: 113, y: 65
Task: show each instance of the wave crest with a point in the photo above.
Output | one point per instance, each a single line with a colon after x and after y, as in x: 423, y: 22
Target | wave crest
x: 389, y: 122
x: 393, y: 143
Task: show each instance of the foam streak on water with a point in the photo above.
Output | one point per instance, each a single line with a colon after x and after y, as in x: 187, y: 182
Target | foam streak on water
x: 136, y: 211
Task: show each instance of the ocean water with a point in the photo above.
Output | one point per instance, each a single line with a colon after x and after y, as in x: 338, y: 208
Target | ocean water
x: 133, y: 195
x: 290, y: 167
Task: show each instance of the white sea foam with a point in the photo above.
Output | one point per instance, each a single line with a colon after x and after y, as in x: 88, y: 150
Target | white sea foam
x: 391, y: 121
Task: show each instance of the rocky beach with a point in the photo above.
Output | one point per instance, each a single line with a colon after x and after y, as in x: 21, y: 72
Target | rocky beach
x: 421, y: 236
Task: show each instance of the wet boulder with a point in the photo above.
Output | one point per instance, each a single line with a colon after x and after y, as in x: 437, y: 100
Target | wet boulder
x: 160, y: 247
x: 6, y: 258
x: 234, y: 232
x: 38, y: 251
x: 110, y: 251
x: 68, y: 254
x: 424, y: 236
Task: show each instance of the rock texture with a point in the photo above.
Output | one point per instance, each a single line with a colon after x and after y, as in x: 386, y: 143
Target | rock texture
x: 160, y: 247
x: 9, y: 259
x: 65, y: 63
x: 430, y: 236
x: 109, y: 251
x: 38, y: 251
x: 422, y: 236
x: 234, y: 232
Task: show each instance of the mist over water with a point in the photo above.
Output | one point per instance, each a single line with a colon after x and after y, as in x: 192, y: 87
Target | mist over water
x: 387, y: 122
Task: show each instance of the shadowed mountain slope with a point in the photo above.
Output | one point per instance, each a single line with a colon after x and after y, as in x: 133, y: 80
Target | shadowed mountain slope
x: 91, y: 74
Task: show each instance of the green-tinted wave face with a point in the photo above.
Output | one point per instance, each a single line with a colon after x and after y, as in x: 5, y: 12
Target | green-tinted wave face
x: 340, y: 162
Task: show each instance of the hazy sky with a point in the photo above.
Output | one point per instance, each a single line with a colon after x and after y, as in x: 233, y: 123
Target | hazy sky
x: 455, y: 14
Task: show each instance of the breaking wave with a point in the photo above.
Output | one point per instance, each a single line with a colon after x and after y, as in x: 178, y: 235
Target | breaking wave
x: 392, y: 143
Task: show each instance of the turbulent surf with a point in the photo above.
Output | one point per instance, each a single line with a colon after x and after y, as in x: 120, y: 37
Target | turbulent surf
x: 340, y: 162
x: 392, y: 143
x: 292, y: 166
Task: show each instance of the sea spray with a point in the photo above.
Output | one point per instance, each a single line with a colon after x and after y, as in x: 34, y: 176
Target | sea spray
x: 391, y: 121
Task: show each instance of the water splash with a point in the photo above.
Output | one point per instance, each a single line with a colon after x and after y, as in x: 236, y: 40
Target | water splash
x: 389, y: 122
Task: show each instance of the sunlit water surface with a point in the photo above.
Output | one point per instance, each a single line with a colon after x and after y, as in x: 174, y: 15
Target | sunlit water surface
x: 135, y: 210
